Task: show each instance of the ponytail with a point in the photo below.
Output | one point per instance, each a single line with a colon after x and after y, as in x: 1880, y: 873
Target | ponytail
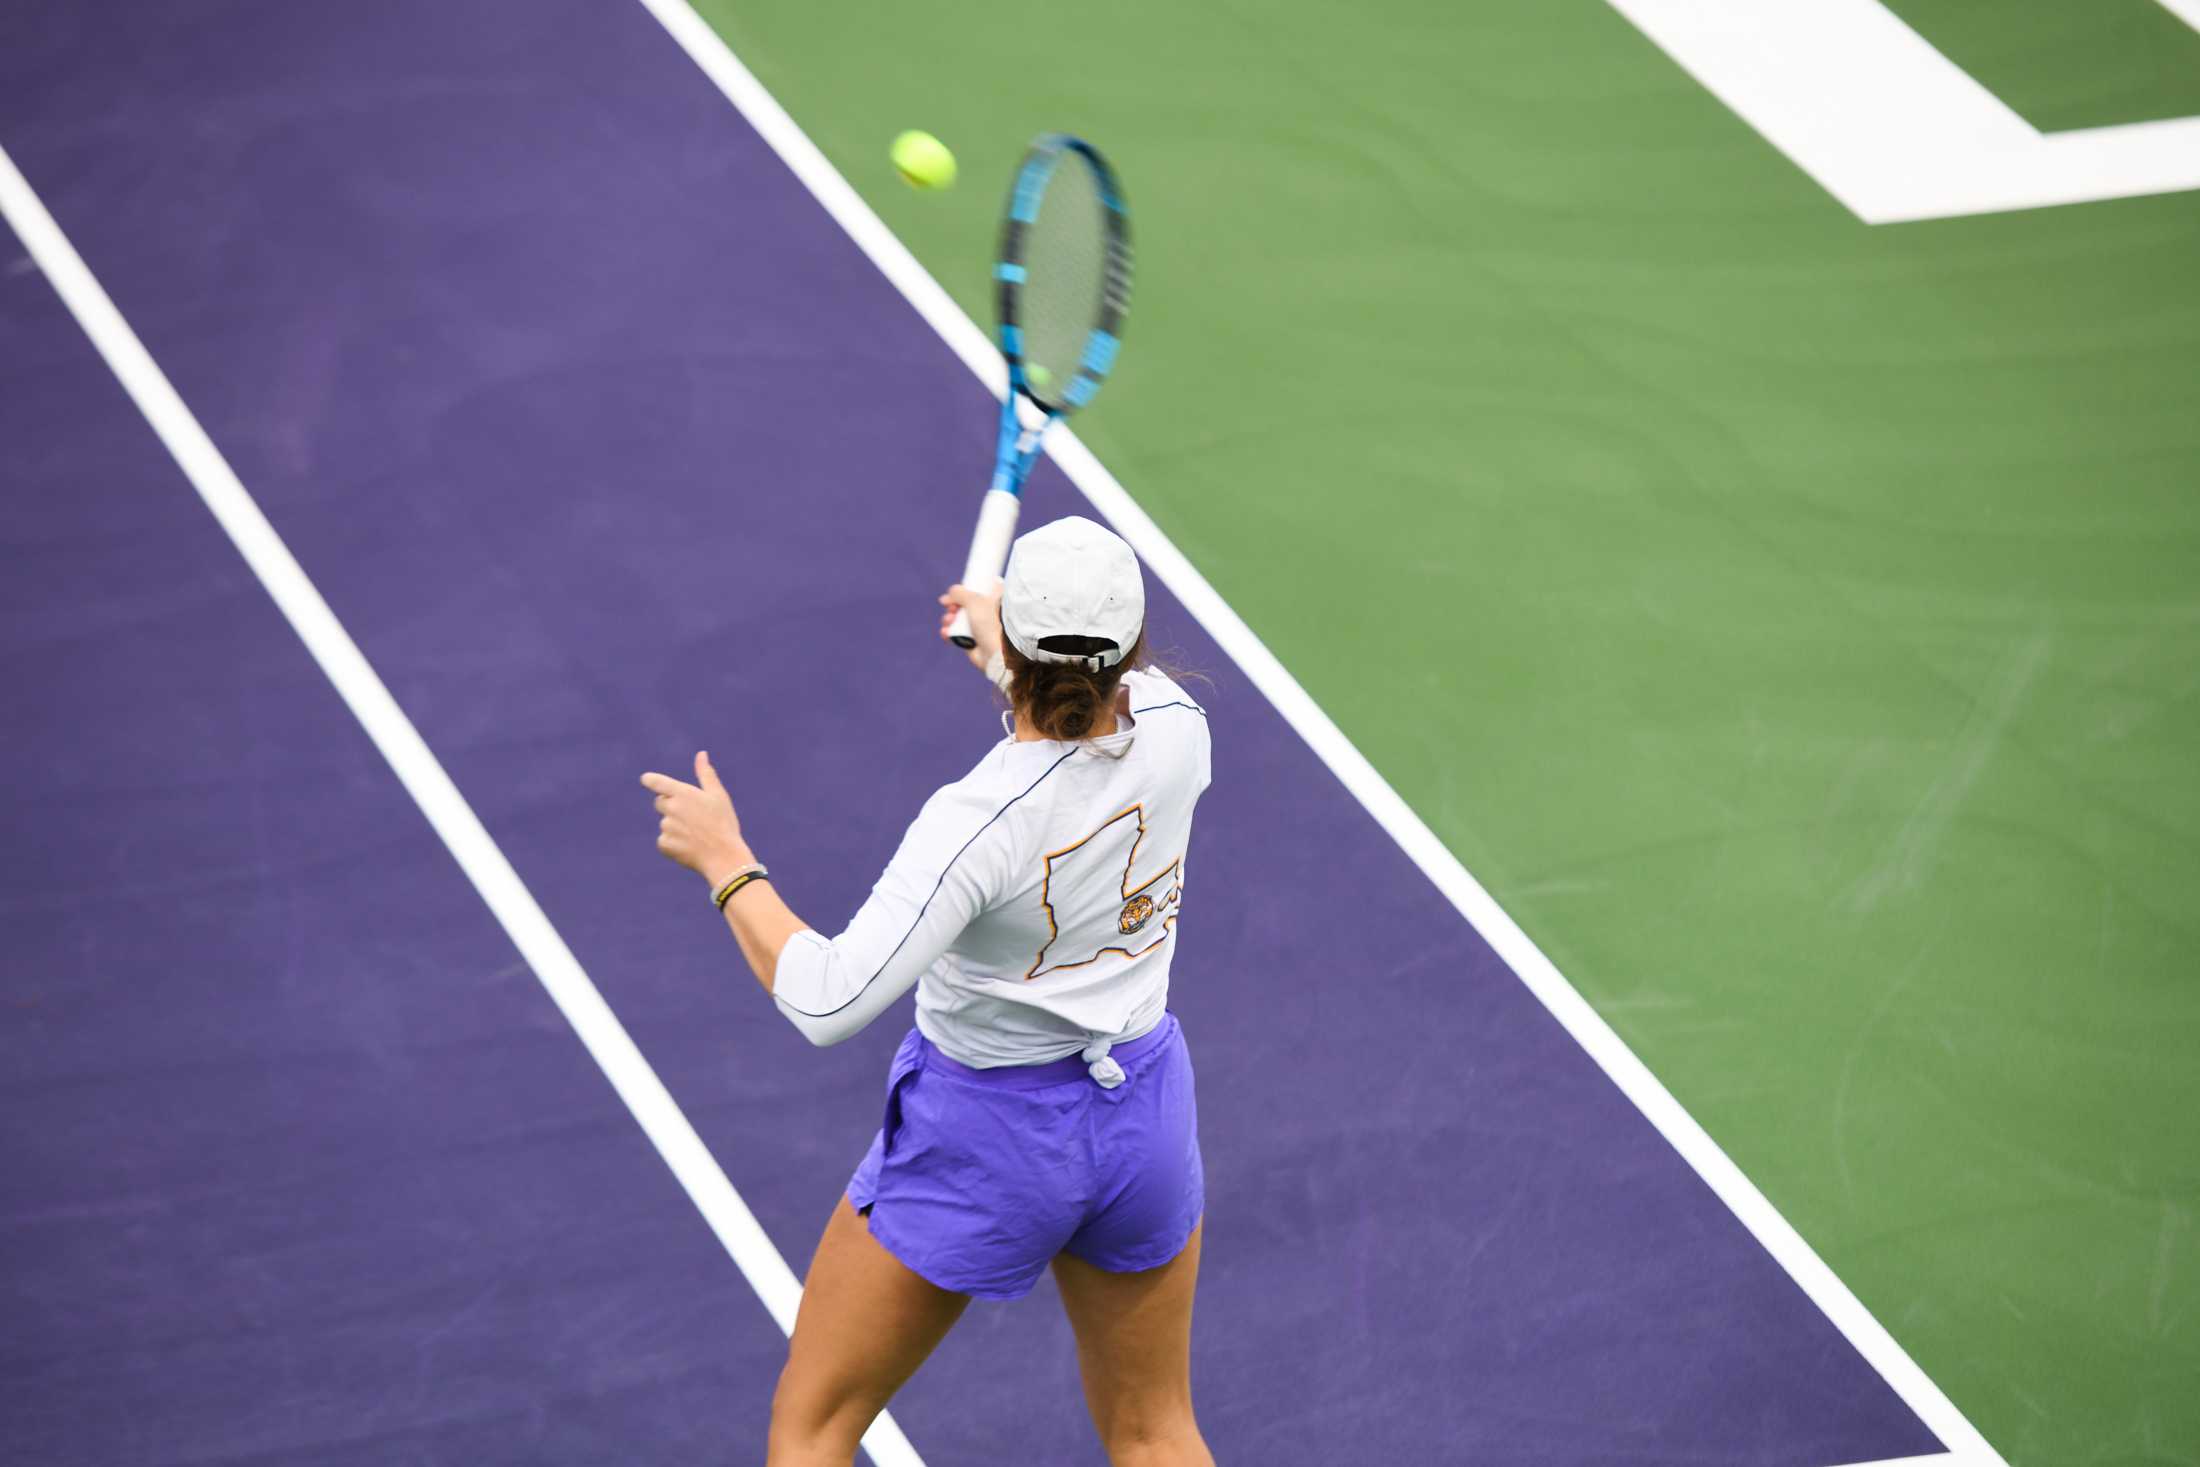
x: 1064, y: 700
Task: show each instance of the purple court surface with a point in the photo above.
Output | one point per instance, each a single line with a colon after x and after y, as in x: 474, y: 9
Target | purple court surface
x: 606, y: 444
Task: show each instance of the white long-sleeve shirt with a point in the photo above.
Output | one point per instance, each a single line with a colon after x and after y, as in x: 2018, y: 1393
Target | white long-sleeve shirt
x: 1033, y: 902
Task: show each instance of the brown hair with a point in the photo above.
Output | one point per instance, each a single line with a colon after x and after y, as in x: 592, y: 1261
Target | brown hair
x: 1064, y: 700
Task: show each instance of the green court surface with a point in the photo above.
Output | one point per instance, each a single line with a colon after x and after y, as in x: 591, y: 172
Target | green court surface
x: 1796, y: 624
x: 2065, y: 66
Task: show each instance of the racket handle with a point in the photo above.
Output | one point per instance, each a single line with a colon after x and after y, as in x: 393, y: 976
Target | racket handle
x: 988, y: 554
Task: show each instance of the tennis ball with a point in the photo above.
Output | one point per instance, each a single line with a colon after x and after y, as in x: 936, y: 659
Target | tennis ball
x: 1037, y: 375
x: 923, y: 161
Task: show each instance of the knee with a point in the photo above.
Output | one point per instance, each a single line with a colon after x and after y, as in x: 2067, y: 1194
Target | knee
x: 1159, y: 1436
x: 811, y: 1428
x: 804, y: 1447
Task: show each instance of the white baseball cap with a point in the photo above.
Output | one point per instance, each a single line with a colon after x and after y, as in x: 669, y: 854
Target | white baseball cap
x: 1072, y: 593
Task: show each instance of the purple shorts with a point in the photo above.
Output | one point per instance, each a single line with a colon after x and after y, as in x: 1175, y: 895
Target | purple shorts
x: 978, y: 1178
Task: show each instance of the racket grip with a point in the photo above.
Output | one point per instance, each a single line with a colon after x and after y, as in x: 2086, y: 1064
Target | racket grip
x: 988, y: 555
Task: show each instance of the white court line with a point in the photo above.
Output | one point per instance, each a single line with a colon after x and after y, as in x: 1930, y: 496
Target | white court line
x: 1891, y: 126
x: 423, y: 777
x: 967, y: 341
x: 2187, y: 11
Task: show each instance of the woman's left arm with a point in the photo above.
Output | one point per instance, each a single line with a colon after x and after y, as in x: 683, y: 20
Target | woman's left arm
x: 829, y: 988
x: 698, y: 828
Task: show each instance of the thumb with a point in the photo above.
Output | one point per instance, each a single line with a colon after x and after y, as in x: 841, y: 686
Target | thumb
x: 705, y: 775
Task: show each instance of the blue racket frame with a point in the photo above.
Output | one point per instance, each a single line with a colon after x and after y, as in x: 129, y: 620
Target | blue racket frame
x: 1017, y: 447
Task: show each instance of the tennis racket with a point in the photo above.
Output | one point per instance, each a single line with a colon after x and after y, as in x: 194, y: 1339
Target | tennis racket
x: 1062, y: 284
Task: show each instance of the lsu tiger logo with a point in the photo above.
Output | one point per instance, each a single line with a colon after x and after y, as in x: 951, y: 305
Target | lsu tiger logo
x: 1137, y: 912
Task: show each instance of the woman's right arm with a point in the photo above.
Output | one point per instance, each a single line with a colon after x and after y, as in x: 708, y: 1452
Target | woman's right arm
x: 984, y: 609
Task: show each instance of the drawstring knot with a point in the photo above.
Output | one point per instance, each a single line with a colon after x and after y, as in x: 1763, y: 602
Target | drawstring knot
x: 1105, y: 1072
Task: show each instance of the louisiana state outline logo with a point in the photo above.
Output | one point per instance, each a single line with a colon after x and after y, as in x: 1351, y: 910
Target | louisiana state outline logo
x: 1137, y: 912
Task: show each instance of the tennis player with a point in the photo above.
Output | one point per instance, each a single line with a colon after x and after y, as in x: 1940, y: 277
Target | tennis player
x: 1040, y: 1114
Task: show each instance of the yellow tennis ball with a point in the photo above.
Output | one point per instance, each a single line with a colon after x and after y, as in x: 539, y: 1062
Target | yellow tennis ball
x: 923, y: 161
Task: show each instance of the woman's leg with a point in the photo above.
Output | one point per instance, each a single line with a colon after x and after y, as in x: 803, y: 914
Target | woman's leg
x: 1134, y: 1348
x: 865, y: 1325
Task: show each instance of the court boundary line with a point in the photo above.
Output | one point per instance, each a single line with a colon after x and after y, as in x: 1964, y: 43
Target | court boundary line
x: 478, y: 856
x: 715, y: 58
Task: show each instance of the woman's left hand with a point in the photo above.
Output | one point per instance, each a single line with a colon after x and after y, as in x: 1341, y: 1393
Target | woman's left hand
x: 696, y: 825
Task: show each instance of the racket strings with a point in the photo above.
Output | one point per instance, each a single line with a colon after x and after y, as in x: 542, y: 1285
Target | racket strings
x: 1066, y: 267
